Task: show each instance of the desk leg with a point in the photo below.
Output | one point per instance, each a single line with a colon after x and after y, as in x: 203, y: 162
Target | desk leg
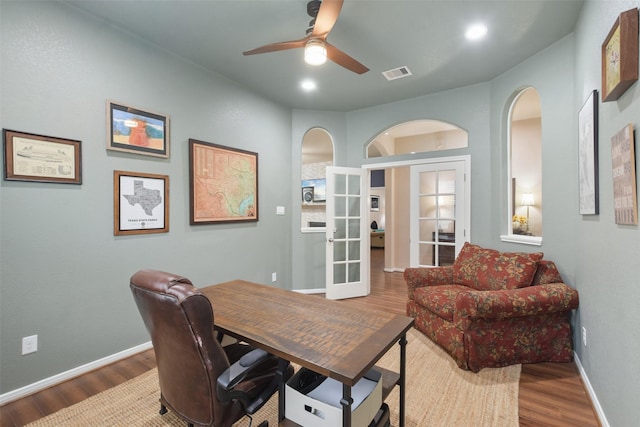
x: 346, y: 402
x: 401, y: 380
x: 282, y: 368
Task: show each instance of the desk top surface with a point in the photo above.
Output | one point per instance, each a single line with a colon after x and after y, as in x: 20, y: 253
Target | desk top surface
x: 339, y: 341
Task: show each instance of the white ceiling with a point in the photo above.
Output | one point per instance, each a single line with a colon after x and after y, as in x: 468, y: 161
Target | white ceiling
x: 427, y: 36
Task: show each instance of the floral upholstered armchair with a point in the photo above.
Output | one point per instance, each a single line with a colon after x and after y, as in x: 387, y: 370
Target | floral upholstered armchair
x: 492, y: 309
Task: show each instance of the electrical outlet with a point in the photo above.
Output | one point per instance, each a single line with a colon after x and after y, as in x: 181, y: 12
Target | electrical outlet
x: 584, y: 336
x: 29, y: 344
x: 274, y: 277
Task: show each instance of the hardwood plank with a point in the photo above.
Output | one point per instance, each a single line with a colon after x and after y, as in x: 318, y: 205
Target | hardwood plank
x: 551, y: 394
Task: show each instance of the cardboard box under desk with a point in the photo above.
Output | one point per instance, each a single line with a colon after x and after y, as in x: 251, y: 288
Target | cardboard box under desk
x: 321, y: 407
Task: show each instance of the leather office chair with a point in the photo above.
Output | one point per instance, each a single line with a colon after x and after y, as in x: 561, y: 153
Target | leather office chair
x: 197, y: 379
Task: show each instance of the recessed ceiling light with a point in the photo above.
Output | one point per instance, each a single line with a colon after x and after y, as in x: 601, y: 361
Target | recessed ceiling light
x: 475, y: 32
x: 308, y: 85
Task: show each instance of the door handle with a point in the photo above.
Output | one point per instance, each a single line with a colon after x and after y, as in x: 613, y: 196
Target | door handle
x: 330, y: 240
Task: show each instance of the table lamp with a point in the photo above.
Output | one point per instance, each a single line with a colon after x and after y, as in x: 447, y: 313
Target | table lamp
x: 527, y: 200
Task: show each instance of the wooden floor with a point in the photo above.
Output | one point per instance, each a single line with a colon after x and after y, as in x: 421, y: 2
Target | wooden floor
x: 551, y: 394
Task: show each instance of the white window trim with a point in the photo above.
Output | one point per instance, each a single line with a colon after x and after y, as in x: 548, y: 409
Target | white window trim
x: 525, y: 240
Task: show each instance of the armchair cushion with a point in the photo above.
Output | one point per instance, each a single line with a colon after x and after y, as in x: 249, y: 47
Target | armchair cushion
x: 487, y: 269
x: 441, y: 300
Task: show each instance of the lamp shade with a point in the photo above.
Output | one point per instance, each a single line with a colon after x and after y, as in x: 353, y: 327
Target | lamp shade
x: 315, y: 53
x: 527, y: 199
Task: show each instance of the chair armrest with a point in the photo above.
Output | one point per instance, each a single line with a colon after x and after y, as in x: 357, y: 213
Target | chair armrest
x: 255, y: 360
x: 529, y: 301
x: 421, y: 277
x: 238, y: 372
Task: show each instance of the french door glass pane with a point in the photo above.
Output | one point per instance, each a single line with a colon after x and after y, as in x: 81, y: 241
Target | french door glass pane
x: 428, y: 206
x: 354, y: 272
x: 354, y: 229
x: 339, y: 273
x: 340, y: 209
x: 427, y: 183
x: 340, y: 184
x: 354, y: 250
x: 426, y: 254
x: 427, y: 230
x: 339, y: 251
x: 354, y: 206
x: 340, y: 228
x: 354, y: 185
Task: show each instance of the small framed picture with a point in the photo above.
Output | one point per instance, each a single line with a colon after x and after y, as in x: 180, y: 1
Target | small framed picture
x: 135, y: 131
x: 140, y: 203
x: 588, y: 156
x: 39, y: 158
x: 375, y: 203
x: 620, y: 56
x: 625, y: 197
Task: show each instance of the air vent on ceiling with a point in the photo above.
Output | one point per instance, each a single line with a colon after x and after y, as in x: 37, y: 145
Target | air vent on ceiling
x: 397, y: 73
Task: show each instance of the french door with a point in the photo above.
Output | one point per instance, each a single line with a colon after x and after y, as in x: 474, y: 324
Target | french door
x: 347, y: 238
x: 438, y: 213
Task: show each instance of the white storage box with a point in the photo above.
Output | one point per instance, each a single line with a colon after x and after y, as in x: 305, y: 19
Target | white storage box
x: 321, y: 407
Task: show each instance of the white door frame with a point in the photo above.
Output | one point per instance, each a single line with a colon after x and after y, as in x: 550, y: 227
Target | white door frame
x: 466, y: 205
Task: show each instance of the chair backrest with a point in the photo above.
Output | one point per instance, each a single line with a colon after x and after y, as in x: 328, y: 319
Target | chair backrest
x: 179, y: 319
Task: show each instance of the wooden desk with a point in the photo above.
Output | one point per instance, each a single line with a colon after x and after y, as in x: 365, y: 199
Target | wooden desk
x: 325, y: 336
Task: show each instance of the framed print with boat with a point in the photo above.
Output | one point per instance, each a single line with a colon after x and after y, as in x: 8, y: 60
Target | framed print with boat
x: 39, y: 158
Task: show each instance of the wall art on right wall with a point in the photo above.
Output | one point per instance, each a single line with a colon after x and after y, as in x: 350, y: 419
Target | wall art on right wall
x: 625, y: 200
x: 620, y: 56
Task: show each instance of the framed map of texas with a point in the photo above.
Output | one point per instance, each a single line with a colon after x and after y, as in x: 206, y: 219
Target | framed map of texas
x: 223, y: 184
x: 140, y: 203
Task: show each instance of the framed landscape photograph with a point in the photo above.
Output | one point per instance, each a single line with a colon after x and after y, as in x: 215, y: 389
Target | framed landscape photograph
x: 588, y: 156
x: 140, y: 203
x: 620, y: 56
x: 223, y: 184
x: 625, y: 198
x: 39, y: 158
x: 135, y: 131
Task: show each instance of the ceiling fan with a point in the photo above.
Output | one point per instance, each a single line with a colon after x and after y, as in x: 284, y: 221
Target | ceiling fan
x: 317, y: 49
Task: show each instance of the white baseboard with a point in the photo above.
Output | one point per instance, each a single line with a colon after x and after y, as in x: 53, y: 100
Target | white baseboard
x: 72, y: 373
x: 311, y: 291
x: 592, y: 393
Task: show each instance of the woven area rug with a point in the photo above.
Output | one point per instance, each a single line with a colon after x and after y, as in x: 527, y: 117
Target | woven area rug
x: 438, y: 394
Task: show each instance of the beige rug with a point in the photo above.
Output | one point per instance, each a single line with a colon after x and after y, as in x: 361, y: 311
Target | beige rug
x: 438, y: 394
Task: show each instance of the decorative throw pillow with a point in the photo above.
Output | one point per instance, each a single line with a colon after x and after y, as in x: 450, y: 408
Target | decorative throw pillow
x: 488, y: 269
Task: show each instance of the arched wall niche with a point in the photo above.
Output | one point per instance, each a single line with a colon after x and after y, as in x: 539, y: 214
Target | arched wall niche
x: 524, y: 149
x: 417, y: 136
x: 316, y: 154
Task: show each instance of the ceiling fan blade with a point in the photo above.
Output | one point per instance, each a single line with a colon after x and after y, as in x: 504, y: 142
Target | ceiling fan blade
x: 327, y: 17
x: 344, y: 60
x: 274, y: 47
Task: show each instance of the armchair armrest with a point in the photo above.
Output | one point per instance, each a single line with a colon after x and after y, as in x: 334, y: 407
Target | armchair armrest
x: 421, y: 277
x: 529, y: 301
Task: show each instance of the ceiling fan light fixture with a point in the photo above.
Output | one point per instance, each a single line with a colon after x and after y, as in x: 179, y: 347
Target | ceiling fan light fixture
x: 315, y: 53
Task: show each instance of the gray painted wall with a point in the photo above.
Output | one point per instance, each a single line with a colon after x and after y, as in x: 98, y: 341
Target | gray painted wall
x: 57, y: 71
x: 607, y: 273
x: 64, y: 275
